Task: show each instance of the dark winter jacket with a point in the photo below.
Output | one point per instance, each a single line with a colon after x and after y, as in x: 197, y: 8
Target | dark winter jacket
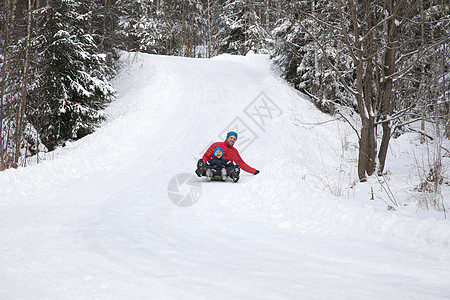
x: 218, y: 163
x: 229, y: 152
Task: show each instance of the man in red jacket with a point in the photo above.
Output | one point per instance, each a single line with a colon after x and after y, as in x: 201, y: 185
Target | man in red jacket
x: 230, y: 153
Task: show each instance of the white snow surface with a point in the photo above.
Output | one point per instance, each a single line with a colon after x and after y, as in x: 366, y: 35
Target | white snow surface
x: 95, y: 220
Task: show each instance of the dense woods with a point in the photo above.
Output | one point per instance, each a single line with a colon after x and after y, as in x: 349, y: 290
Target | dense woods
x: 386, y: 61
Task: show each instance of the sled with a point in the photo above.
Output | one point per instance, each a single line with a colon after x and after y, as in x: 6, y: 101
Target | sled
x: 217, y: 178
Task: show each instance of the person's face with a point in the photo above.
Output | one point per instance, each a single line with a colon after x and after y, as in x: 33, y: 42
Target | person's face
x: 218, y: 153
x: 231, y: 140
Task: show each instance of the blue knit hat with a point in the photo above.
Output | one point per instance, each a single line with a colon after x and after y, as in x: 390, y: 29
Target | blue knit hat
x: 217, y: 148
x: 231, y: 133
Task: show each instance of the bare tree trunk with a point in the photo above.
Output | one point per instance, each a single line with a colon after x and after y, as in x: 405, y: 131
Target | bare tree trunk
x: 316, y: 84
x: 37, y: 5
x: 447, y: 119
x: 11, y: 6
x: 367, y: 142
x: 209, y: 29
x: 422, y: 80
x: 387, y: 84
x: 191, y: 31
x: 23, y: 100
x: 368, y: 86
x: 336, y: 66
x: 437, y: 110
x: 184, y: 26
x: 166, y: 26
x: 2, y: 92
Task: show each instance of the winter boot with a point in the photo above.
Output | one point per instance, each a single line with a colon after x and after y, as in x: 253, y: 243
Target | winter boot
x: 224, y: 174
x: 200, y: 165
x: 209, y: 174
x: 236, y: 172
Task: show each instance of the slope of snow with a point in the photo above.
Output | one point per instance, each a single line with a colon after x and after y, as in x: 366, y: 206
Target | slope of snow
x: 97, y: 219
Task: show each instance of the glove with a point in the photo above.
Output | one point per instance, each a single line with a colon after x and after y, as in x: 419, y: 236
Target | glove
x: 256, y: 172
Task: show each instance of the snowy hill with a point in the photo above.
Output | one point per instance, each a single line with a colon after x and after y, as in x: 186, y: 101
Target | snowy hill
x: 108, y: 217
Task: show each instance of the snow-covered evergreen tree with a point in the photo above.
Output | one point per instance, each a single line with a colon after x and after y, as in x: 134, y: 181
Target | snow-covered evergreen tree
x: 72, y: 88
x: 151, y: 32
x: 240, y: 28
x: 303, y: 62
x: 193, y: 28
x: 142, y: 22
x: 173, y: 27
x: 103, y: 19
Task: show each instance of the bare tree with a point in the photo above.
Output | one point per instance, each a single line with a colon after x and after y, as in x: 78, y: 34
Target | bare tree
x: 9, y: 29
x: 444, y: 61
x: 376, y: 37
x: 2, y: 92
x: 23, y: 99
x: 209, y: 28
x: 397, y: 10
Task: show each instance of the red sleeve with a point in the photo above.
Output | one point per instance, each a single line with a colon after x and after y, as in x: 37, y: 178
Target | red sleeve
x: 238, y: 160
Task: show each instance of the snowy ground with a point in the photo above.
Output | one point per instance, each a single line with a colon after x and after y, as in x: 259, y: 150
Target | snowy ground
x: 97, y: 219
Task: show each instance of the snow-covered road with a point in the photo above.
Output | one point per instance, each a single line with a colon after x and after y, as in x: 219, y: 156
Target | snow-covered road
x: 97, y: 220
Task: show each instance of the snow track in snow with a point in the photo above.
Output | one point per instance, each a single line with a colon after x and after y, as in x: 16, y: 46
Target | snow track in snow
x: 96, y: 221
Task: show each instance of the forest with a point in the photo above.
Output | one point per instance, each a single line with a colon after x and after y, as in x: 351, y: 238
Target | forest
x: 385, y: 61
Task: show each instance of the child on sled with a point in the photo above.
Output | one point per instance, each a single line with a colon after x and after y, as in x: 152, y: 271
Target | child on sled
x: 219, y: 166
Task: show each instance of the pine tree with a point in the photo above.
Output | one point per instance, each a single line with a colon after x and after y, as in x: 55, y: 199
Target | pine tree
x: 103, y: 26
x: 193, y: 28
x: 150, y: 31
x: 296, y: 51
x: 142, y: 24
x: 73, y: 86
x: 240, y: 28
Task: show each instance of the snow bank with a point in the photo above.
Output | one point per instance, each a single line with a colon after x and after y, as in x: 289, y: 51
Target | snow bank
x: 311, y: 185
x: 130, y: 117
